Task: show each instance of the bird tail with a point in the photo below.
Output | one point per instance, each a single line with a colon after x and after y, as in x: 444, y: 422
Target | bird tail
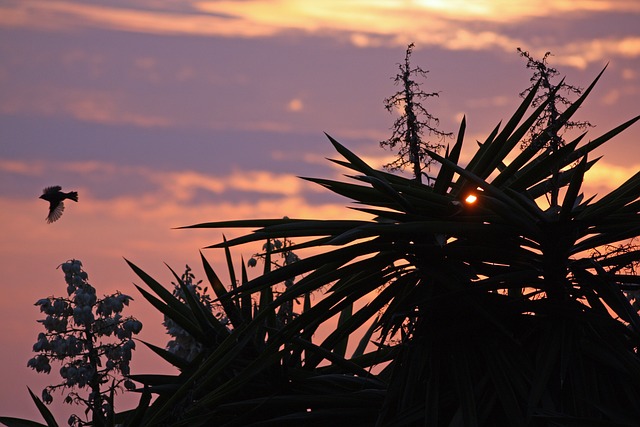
x: 73, y: 195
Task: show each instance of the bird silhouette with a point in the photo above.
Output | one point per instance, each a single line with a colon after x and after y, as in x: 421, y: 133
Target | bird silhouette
x: 55, y: 196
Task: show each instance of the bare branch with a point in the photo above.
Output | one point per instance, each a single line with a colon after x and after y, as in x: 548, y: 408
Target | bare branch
x: 413, y: 123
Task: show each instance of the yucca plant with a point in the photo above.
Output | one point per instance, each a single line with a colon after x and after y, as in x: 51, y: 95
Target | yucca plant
x: 229, y: 382
x: 210, y: 334
x: 497, y: 312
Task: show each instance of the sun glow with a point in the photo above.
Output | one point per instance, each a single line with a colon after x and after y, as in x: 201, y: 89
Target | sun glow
x: 471, y: 199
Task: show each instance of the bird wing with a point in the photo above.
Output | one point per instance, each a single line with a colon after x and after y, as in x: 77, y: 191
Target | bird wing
x: 55, y: 211
x: 53, y: 189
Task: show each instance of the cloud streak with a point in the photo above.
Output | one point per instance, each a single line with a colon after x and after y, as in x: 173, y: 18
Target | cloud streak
x: 454, y: 25
x: 95, y: 106
x: 285, y: 192
x: 180, y: 186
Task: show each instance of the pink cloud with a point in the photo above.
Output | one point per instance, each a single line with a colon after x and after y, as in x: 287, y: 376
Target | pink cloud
x: 361, y: 23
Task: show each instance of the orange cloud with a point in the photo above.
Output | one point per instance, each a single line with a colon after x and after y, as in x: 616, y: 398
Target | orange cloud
x: 361, y: 22
x: 21, y: 168
x: 184, y: 184
x: 580, y: 54
x: 97, y: 106
x: 59, y: 15
x: 104, y: 108
x: 175, y: 185
x: 604, y: 177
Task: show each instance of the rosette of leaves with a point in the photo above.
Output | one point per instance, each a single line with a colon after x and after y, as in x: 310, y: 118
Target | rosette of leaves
x: 230, y: 382
x: 492, y: 313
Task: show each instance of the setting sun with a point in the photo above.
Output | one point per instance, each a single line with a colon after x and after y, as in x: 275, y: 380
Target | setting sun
x: 471, y: 198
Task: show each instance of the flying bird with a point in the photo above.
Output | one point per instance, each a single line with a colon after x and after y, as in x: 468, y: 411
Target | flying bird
x: 55, y: 196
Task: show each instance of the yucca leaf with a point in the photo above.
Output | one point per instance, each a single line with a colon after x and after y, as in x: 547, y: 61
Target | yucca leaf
x: 323, y: 383
x: 19, y: 422
x: 490, y: 190
x: 243, y: 223
x: 170, y: 357
x: 417, y: 195
x: 230, y: 309
x: 267, y: 358
x: 613, y: 235
x: 348, y: 326
x: 340, y: 348
x: 157, y: 380
x: 230, y: 269
x: 245, y: 297
x: 207, y: 322
x: 386, y: 189
x: 266, y: 295
x: 42, y: 408
x: 332, y: 357
x: 209, y: 370
x: 616, y: 199
x: 333, y: 303
x: 541, y: 167
x: 482, y: 150
x: 592, y: 145
x: 357, y: 193
x: 526, y: 202
x: 374, y: 358
x: 445, y: 175
x: 164, y: 294
x: 187, y: 323
x: 562, y: 179
x: 300, y: 229
x: 136, y: 417
x: 358, y: 163
x: 538, y: 142
x: 573, y: 190
x: 573, y: 107
x: 621, y: 260
x: 44, y: 411
x: 365, y: 339
x: 615, y: 299
x: 502, y: 145
x: 306, y: 265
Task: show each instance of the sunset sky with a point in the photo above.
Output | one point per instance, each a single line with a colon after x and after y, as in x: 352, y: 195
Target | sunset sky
x: 164, y: 113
